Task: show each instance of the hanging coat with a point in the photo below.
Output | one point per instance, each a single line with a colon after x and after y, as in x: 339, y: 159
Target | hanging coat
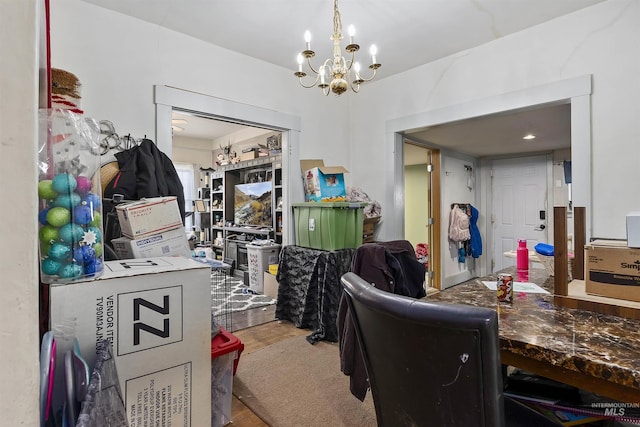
x: 476, y: 239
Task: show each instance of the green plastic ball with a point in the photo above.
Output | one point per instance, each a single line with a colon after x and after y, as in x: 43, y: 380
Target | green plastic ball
x: 49, y: 233
x: 58, y: 216
x: 97, y: 219
x: 98, y: 248
x: 46, y: 191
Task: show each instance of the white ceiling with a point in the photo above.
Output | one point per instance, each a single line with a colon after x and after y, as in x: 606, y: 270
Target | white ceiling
x: 408, y: 33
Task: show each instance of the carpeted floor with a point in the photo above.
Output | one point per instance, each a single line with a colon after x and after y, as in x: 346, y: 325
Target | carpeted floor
x: 293, y: 383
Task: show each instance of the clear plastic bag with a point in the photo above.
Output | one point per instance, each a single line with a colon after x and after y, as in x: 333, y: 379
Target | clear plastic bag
x: 69, y: 197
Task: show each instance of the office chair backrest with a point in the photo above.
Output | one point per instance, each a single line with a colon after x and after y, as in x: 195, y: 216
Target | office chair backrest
x: 429, y: 364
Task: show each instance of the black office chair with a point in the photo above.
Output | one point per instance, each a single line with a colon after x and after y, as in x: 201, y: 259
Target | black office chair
x: 432, y: 364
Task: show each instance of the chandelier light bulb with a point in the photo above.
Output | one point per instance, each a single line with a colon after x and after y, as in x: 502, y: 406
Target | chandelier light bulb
x: 373, y: 50
x: 307, y: 39
x: 300, y: 60
x: 356, y: 68
x: 352, y: 32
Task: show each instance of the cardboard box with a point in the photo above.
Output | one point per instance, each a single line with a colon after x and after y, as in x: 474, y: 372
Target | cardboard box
x: 270, y: 285
x: 249, y: 155
x: 149, y: 216
x: 369, y: 228
x: 157, y: 314
x: 633, y: 229
x: 170, y: 243
x: 323, y: 183
x: 612, y: 270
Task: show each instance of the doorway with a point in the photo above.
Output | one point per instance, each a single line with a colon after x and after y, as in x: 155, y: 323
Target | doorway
x: 520, y: 200
x: 421, y: 209
x: 575, y: 92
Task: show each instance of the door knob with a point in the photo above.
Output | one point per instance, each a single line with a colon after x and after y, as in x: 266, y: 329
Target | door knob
x: 540, y: 227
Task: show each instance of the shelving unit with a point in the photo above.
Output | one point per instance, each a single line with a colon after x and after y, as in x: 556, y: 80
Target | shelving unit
x: 235, y: 238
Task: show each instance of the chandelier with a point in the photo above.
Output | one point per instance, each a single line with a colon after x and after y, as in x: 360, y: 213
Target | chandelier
x: 334, y: 75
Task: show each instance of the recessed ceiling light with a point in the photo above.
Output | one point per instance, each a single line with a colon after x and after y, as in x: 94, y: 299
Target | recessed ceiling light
x: 529, y: 136
x: 177, y: 128
x: 179, y: 121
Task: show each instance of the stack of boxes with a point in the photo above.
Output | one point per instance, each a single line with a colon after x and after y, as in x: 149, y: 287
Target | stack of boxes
x: 151, y: 228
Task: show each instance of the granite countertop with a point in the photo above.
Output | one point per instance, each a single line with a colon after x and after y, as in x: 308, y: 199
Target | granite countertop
x: 598, y: 345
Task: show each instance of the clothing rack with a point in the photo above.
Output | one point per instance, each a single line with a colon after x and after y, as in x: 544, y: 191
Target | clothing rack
x: 113, y: 141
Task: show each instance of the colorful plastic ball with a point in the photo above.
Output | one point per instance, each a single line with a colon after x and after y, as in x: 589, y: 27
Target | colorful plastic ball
x: 93, y: 267
x: 84, y: 254
x: 60, y: 251
x: 82, y: 214
x: 71, y: 233
x: 46, y: 191
x: 44, y: 248
x: 83, y: 184
x: 67, y: 200
x: 97, y: 219
x: 51, y: 267
x: 49, y: 233
x: 93, y: 200
x: 71, y: 271
x: 64, y: 183
x: 58, y: 216
x: 42, y: 216
x: 98, y: 248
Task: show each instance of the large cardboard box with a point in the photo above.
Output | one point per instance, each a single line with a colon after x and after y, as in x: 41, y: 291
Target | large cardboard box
x: 157, y: 314
x: 612, y: 270
x: 323, y: 183
x: 170, y: 243
x: 149, y: 216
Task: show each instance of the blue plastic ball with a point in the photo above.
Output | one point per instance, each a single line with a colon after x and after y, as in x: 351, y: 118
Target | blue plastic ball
x: 67, y: 201
x: 42, y: 216
x: 84, y: 254
x: 93, y: 200
x: 71, y: 271
x: 50, y: 267
x: 60, y: 251
x: 64, y: 183
x: 71, y: 233
x: 82, y: 214
x: 93, y: 267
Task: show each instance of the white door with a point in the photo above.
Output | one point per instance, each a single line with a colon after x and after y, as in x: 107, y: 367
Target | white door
x: 519, y: 207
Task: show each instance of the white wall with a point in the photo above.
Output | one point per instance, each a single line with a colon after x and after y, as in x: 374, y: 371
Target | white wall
x: 19, y: 339
x: 118, y: 59
x: 601, y: 40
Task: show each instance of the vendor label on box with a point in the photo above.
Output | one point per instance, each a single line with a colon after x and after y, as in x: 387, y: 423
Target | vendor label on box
x: 323, y: 183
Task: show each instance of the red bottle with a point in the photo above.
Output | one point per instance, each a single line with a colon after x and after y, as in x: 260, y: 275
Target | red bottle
x: 522, y: 261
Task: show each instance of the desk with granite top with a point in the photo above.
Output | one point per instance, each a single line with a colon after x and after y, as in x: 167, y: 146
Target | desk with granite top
x: 595, y: 352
